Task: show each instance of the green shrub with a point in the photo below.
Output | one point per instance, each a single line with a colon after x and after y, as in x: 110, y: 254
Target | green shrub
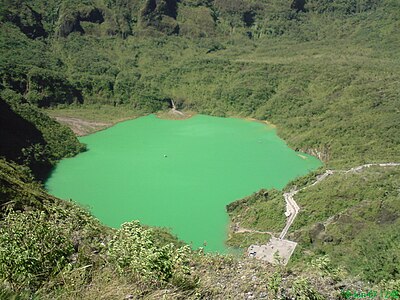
x: 325, y: 267
x: 32, y: 249
x: 133, y: 251
x: 274, y: 284
x: 302, y: 290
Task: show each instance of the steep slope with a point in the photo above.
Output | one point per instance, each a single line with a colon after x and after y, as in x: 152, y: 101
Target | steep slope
x: 30, y: 137
x: 354, y: 218
x: 325, y: 72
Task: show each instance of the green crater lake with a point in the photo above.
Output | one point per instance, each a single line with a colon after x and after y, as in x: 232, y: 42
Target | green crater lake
x: 177, y: 174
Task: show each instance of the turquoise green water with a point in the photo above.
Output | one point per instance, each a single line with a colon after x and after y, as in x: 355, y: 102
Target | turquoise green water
x: 177, y: 174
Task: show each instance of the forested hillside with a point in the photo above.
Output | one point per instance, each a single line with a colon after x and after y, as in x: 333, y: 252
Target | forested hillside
x: 326, y: 73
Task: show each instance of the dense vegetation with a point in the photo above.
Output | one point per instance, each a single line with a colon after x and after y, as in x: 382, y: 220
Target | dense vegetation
x: 325, y: 72
x: 355, y: 219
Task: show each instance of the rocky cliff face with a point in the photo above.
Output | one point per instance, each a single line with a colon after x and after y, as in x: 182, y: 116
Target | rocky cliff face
x: 161, y: 14
x: 160, y: 8
x: 72, y: 22
x: 298, y: 5
x: 28, y: 20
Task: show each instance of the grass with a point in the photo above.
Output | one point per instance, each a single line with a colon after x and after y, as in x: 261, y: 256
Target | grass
x: 263, y: 211
x: 244, y: 240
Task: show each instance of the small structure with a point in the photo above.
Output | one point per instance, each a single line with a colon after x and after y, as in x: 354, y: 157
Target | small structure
x: 276, y: 251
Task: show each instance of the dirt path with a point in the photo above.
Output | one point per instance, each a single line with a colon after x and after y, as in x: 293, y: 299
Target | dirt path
x: 359, y: 168
x: 245, y: 230
x: 292, y: 209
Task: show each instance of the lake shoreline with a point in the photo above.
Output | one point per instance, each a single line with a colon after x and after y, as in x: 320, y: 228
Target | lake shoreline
x: 145, y: 158
x: 83, y: 126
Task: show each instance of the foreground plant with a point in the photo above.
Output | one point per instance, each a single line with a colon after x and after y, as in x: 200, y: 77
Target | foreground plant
x: 32, y: 249
x: 134, y: 252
